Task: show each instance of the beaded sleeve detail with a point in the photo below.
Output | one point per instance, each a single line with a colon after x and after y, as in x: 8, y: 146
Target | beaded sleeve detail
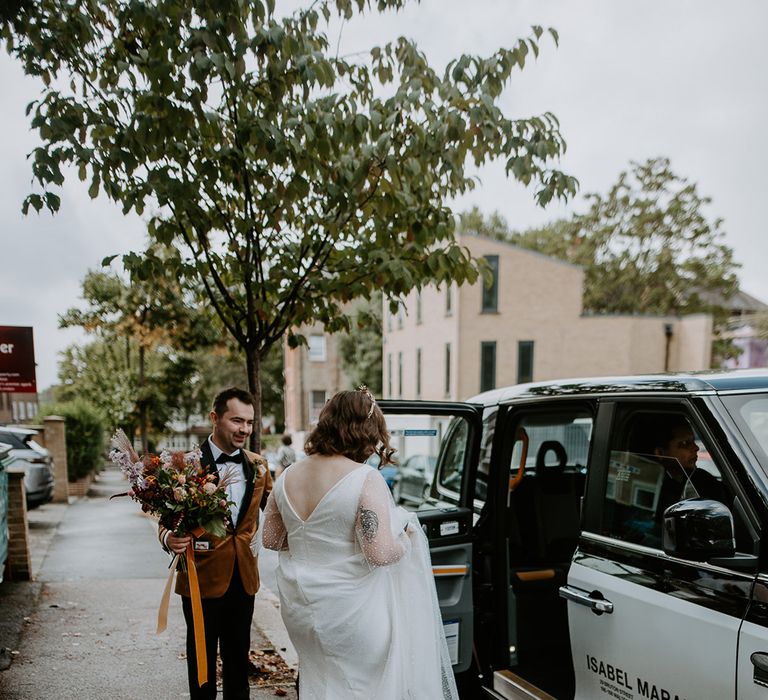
x: 382, y: 540
x: 275, y: 535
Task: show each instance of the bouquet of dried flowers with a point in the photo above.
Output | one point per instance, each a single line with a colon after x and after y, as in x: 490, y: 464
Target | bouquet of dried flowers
x: 175, y: 487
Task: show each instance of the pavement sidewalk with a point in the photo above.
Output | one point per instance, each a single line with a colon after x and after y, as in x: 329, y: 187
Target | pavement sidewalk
x: 85, y: 626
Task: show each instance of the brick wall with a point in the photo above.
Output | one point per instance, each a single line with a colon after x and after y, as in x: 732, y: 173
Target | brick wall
x: 19, y: 564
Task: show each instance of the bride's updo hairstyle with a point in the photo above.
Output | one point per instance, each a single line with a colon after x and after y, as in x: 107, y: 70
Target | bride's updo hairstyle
x: 352, y: 425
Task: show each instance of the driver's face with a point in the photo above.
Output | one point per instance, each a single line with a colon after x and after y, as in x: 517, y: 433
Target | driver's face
x: 683, y: 448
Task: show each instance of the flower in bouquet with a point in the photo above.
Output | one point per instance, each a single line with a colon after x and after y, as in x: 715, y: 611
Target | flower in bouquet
x: 175, y: 487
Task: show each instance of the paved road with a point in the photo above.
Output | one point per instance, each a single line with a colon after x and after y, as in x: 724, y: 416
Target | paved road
x: 90, y: 633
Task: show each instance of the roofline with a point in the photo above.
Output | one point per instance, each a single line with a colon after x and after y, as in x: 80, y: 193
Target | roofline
x: 522, y: 249
x: 671, y: 383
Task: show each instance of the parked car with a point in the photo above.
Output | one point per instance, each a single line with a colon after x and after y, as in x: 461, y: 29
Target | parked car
x: 560, y: 569
x: 34, y: 459
x: 415, y: 479
x: 390, y: 472
x: 4, y: 450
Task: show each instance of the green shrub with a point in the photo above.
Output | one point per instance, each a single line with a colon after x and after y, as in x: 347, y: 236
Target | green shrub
x: 85, y: 430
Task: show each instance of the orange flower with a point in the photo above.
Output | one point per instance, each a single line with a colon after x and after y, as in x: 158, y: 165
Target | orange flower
x: 177, y: 460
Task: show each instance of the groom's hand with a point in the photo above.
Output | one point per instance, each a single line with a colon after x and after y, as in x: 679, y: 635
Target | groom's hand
x: 177, y: 545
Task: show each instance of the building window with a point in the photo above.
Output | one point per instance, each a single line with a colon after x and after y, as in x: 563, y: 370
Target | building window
x: 400, y: 315
x: 487, y: 365
x: 317, y: 348
x: 316, y: 403
x: 400, y: 374
x: 388, y: 313
x: 418, y: 307
x: 448, y: 300
x: 418, y: 373
x: 524, y: 361
x: 491, y: 294
x: 389, y: 375
x: 447, y: 369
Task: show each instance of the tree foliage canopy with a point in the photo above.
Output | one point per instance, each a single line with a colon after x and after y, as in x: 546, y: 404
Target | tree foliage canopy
x: 361, y: 350
x: 156, y: 357
x: 291, y: 179
x: 135, y: 370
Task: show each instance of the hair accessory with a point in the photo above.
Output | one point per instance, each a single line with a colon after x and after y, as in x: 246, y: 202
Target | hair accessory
x: 364, y: 389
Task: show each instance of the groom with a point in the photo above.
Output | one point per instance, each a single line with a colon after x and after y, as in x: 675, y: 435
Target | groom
x: 226, y: 566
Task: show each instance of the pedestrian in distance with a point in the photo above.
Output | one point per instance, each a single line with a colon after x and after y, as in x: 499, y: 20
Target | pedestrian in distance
x: 286, y: 455
x: 354, y: 574
x: 226, y: 566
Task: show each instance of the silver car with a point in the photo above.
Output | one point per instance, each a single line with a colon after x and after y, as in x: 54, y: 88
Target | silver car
x: 33, y: 459
x: 415, y: 479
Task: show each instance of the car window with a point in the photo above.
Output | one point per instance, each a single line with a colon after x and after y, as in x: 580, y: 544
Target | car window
x: 486, y: 442
x: 559, y: 438
x: 419, y: 440
x: 751, y: 414
x: 657, y: 458
x: 453, y: 458
x: 12, y: 439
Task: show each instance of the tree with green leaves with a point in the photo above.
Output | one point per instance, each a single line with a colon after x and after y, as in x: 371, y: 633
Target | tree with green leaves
x: 655, y: 246
x: 360, y: 348
x: 290, y: 178
x: 98, y: 370
x: 157, y: 355
x: 149, y: 320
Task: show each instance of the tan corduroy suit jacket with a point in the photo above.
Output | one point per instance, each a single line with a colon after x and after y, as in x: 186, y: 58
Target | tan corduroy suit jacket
x: 216, y: 565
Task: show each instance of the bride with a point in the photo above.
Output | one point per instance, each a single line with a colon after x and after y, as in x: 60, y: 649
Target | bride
x: 355, y: 579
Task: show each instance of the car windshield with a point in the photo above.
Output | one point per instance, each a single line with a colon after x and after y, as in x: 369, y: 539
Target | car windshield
x: 750, y: 412
x: 15, y: 440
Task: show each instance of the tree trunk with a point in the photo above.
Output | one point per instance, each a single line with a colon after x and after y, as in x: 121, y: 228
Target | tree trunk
x: 253, y: 369
x: 142, y: 403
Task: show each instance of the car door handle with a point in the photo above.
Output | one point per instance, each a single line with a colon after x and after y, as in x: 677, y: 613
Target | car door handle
x: 759, y: 660
x: 598, y: 605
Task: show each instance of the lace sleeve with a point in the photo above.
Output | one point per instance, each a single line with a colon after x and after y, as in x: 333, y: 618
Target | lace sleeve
x: 275, y: 535
x: 382, y: 538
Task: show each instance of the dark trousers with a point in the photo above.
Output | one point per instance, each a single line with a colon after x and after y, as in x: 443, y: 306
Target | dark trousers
x: 228, y: 627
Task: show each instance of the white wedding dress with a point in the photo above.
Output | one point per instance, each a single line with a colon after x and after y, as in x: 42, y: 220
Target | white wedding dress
x: 357, y: 595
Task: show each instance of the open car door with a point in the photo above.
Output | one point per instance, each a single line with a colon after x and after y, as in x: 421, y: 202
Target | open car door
x: 442, y: 441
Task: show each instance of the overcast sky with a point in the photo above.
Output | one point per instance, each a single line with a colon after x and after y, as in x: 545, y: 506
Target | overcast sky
x: 687, y: 80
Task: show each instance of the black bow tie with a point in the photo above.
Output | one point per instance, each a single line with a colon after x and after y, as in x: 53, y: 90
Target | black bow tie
x: 224, y: 458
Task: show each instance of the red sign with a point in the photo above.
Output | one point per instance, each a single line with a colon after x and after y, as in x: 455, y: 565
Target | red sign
x: 17, y: 360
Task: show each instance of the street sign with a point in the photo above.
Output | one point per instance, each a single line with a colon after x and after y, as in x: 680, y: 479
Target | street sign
x: 17, y: 360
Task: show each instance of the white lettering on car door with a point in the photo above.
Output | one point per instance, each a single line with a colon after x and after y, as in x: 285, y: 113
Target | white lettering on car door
x: 654, y: 645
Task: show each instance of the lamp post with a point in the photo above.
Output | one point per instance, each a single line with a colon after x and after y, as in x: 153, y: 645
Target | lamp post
x: 668, y: 332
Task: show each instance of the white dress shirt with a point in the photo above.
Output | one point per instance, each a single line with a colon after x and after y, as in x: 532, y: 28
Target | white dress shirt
x: 236, y: 488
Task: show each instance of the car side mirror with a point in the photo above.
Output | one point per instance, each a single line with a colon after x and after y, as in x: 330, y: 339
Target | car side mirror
x: 698, y: 529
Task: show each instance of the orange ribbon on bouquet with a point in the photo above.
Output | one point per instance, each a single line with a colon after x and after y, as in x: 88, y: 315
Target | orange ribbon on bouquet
x: 197, y: 609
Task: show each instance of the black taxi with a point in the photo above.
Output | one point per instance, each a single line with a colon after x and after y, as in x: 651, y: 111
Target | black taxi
x: 600, y: 538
